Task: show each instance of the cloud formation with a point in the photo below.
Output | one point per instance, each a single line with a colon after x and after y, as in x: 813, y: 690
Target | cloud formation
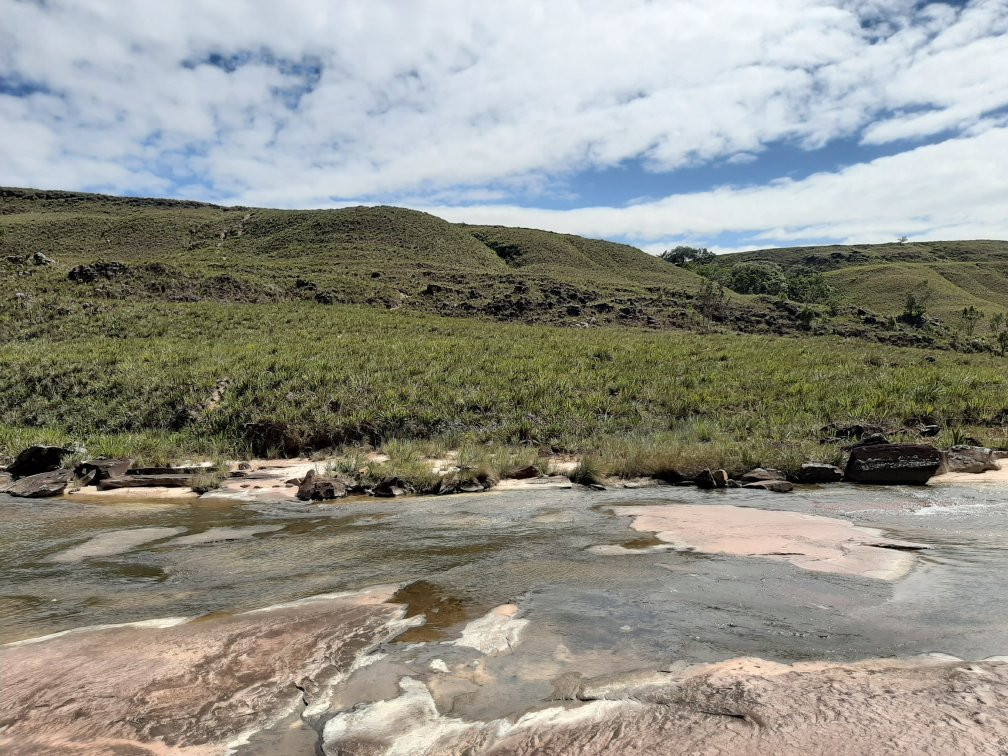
x: 313, y: 103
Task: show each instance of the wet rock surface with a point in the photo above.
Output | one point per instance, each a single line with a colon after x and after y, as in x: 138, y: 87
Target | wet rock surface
x: 42, y: 485
x: 893, y: 464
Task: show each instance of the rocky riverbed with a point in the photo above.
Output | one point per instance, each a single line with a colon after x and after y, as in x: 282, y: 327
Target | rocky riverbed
x: 830, y: 619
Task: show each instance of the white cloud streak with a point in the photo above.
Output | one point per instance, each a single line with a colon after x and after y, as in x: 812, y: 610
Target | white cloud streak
x: 313, y: 103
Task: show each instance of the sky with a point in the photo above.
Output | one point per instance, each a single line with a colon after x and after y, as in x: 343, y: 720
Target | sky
x: 729, y: 124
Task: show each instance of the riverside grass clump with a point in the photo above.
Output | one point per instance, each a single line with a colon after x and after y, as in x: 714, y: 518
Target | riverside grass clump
x: 162, y: 381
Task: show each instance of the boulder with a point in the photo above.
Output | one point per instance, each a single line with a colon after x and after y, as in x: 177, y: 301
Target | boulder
x: 760, y: 473
x: 893, y: 464
x: 145, y: 481
x: 705, y: 479
x: 314, y: 487
x: 41, y: 259
x: 720, y: 478
x: 819, y: 472
x: 777, y: 486
x: 524, y: 473
x: 930, y: 430
x: 103, y: 468
x: 41, y: 485
x: 390, y: 487
x: 38, y: 459
x: 967, y: 459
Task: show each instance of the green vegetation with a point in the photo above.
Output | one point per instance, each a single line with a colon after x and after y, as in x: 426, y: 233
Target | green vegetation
x: 169, y: 331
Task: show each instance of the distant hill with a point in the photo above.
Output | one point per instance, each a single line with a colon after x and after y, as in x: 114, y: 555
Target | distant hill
x: 98, y: 248
x: 877, y: 276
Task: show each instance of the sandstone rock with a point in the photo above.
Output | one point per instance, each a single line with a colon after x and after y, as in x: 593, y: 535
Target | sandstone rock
x: 893, y: 464
x: 524, y: 473
x: 705, y: 479
x: 314, y: 487
x: 967, y: 459
x: 145, y: 481
x: 760, y: 473
x: 391, y: 487
x: 819, y: 472
x: 733, y: 484
x: 38, y: 459
x: 103, y: 468
x: 42, y: 485
x: 777, y: 486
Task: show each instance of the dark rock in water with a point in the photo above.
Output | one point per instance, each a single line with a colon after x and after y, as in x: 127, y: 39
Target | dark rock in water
x: 531, y: 471
x: 146, y: 481
x: 103, y: 468
x: 819, y: 472
x: 777, y: 486
x: 42, y: 485
x: 760, y: 474
x: 314, y: 487
x: 733, y: 484
x: 930, y: 430
x: 893, y: 464
x: 875, y: 439
x: 596, y: 487
x: 967, y: 459
x: 390, y: 487
x: 720, y: 478
x: 38, y: 459
x: 705, y: 479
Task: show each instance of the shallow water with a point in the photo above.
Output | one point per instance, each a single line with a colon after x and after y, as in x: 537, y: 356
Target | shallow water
x: 66, y: 564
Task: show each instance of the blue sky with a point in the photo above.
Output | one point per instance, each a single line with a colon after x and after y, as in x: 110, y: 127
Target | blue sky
x: 725, y: 123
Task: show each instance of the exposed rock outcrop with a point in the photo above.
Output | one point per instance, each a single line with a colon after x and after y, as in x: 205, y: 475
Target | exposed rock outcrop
x: 893, y: 464
x: 819, y: 472
x: 777, y: 486
x: 967, y: 459
x: 38, y: 459
x: 314, y: 487
x: 761, y: 473
x: 103, y: 468
x: 42, y: 485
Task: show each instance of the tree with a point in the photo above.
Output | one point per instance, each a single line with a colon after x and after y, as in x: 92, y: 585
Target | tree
x: 712, y: 300
x: 970, y: 317
x: 902, y: 239
x: 683, y: 255
x: 999, y: 330
x: 915, y: 304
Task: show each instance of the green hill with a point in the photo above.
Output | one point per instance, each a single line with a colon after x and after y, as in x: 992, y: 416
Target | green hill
x: 877, y: 276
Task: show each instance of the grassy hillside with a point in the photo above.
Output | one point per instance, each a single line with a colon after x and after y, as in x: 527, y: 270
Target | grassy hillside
x: 877, y: 277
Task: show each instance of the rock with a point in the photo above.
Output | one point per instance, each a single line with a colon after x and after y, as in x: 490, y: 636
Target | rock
x: 469, y: 486
x: 893, y: 464
x: 875, y: 439
x: 967, y: 459
x: 705, y: 479
x: 145, y: 481
x: 777, y: 486
x: 314, y: 487
x: 524, y: 473
x: 733, y: 484
x: 930, y: 430
x: 40, y: 259
x: 38, y: 459
x: 720, y: 478
x: 5, y: 480
x: 596, y: 487
x: 41, y: 485
x: 244, y: 465
x: 82, y: 274
x: 170, y: 470
x: 390, y: 487
x: 819, y: 472
x: 760, y: 474
x: 103, y: 468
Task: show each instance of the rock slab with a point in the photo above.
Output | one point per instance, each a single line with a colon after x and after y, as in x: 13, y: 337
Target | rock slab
x: 38, y: 459
x: 967, y: 459
x: 42, y: 485
x: 819, y: 472
x: 893, y: 464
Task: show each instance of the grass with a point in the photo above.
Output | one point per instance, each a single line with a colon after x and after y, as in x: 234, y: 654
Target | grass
x: 137, y: 380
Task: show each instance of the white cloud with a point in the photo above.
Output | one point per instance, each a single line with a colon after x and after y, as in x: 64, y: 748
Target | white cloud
x: 950, y: 190
x: 441, y: 101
